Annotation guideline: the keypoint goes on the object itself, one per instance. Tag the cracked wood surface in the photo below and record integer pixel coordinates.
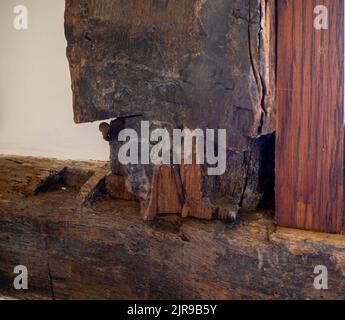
(186, 63)
(200, 63)
(107, 252)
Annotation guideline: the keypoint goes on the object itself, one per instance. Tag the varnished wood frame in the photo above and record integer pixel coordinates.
(310, 99)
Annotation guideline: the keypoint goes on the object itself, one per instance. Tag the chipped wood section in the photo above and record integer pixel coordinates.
(108, 252)
(163, 197)
(94, 187)
(187, 63)
(117, 188)
(28, 176)
(27, 181)
(172, 189)
(196, 205)
(310, 144)
(267, 62)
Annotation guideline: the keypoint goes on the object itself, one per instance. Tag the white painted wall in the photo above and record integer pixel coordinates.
(36, 115)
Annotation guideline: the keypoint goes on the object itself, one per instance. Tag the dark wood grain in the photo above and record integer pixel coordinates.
(107, 252)
(310, 146)
(181, 63)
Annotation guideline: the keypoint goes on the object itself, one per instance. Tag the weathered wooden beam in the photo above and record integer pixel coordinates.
(108, 252)
(310, 144)
(188, 63)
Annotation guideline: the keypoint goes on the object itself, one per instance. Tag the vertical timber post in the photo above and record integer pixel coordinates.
(310, 126)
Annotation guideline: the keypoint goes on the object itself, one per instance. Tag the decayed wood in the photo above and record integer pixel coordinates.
(188, 63)
(310, 144)
(93, 187)
(173, 189)
(192, 59)
(108, 252)
(163, 196)
(33, 176)
(116, 187)
(196, 205)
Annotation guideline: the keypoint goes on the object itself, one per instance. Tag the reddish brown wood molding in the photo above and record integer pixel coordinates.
(310, 93)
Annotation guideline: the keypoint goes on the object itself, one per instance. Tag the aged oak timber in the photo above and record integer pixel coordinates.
(181, 63)
(310, 91)
(107, 252)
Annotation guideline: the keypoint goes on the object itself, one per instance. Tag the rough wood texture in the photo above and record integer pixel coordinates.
(164, 197)
(107, 252)
(172, 189)
(204, 62)
(181, 63)
(89, 192)
(21, 177)
(116, 187)
(310, 144)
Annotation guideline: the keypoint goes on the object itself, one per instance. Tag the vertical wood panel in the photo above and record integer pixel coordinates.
(310, 93)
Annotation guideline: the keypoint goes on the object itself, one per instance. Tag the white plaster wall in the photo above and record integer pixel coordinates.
(36, 115)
